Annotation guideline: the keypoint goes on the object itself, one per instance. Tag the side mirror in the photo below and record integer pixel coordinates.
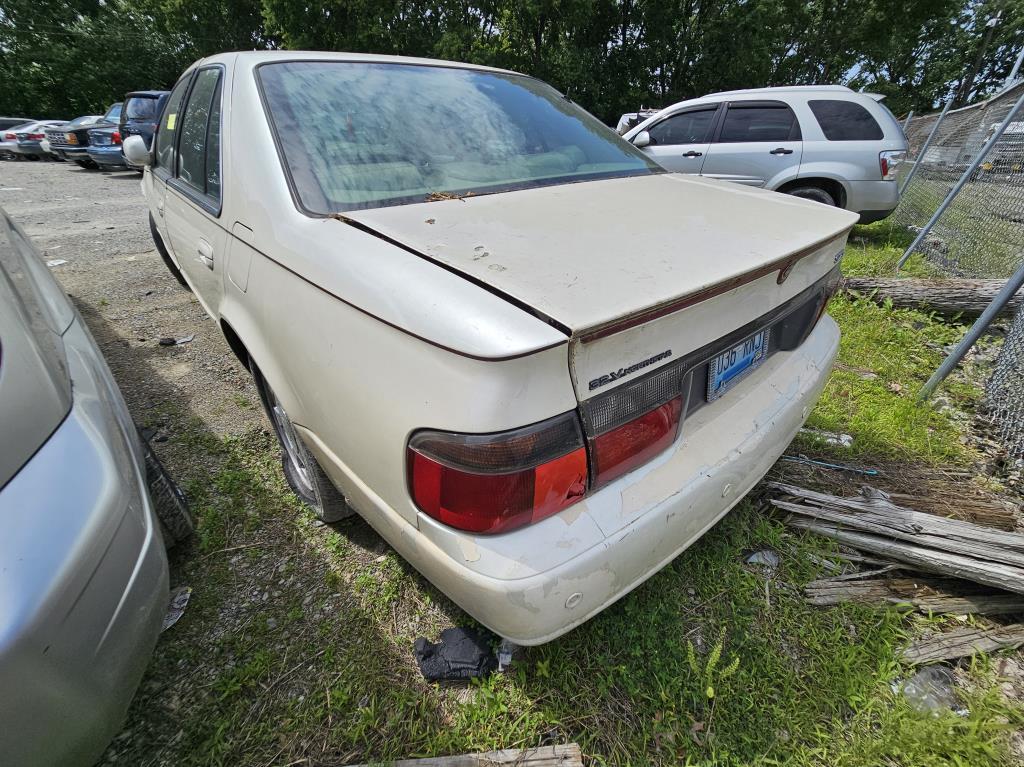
(136, 152)
(642, 139)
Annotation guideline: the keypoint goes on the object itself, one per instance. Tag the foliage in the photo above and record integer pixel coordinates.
(61, 58)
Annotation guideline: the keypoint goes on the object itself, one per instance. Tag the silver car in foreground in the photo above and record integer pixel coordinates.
(820, 142)
(83, 572)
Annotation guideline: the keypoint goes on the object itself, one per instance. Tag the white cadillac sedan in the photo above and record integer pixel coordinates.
(536, 363)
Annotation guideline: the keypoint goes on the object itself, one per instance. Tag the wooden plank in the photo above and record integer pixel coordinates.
(1000, 576)
(925, 596)
(905, 519)
(962, 642)
(880, 525)
(564, 755)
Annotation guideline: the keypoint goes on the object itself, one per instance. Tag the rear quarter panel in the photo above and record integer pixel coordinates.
(361, 386)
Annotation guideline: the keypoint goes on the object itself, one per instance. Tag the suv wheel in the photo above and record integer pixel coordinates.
(812, 193)
(307, 480)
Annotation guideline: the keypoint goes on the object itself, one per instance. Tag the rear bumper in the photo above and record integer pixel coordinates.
(536, 583)
(84, 582)
(873, 200)
(29, 149)
(107, 155)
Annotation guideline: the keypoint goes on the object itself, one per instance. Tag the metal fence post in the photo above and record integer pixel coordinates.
(1005, 294)
(907, 119)
(962, 182)
(924, 147)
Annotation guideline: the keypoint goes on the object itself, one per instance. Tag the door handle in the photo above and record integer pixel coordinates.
(781, 150)
(205, 251)
(160, 207)
(691, 153)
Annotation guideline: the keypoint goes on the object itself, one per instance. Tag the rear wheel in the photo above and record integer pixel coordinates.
(305, 477)
(168, 262)
(812, 193)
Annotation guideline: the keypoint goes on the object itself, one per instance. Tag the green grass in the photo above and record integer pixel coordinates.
(296, 647)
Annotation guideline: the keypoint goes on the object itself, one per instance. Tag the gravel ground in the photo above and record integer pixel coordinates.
(96, 222)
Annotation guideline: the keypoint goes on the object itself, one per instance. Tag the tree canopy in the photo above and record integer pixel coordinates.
(62, 58)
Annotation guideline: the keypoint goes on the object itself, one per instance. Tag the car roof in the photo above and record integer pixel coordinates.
(147, 94)
(255, 58)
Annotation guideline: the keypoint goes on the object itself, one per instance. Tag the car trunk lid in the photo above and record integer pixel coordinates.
(629, 268)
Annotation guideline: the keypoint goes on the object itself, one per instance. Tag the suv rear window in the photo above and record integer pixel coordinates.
(845, 121)
(140, 108)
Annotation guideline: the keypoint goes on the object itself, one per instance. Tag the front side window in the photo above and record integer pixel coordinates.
(845, 121)
(113, 114)
(195, 126)
(168, 129)
(356, 135)
(684, 128)
(760, 123)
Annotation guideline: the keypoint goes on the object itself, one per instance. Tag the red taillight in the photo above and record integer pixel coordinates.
(626, 447)
(883, 165)
(36, 136)
(492, 483)
(115, 138)
(8, 136)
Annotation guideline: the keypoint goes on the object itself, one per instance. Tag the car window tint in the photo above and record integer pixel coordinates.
(194, 124)
(845, 121)
(685, 128)
(140, 108)
(758, 123)
(169, 125)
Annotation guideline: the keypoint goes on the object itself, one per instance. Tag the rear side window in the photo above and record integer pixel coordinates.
(169, 126)
(845, 121)
(684, 128)
(140, 108)
(197, 164)
(759, 122)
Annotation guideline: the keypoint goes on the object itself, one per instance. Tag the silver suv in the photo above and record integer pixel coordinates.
(821, 142)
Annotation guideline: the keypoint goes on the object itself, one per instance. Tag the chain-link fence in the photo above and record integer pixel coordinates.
(1005, 390)
(981, 234)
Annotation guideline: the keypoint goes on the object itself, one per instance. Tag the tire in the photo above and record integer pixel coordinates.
(812, 193)
(305, 476)
(159, 242)
(169, 501)
(87, 164)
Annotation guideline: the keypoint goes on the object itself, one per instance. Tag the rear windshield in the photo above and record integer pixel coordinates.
(357, 135)
(113, 114)
(140, 108)
(845, 121)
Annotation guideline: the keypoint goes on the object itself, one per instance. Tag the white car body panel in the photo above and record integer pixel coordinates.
(555, 267)
(391, 320)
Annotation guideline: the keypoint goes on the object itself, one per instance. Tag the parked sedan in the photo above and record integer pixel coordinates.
(76, 138)
(104, 148)
(448, 339)
(84, 578)
(29, 139)
(9, 140)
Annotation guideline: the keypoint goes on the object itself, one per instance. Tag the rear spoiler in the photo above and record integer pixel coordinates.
(876, 96)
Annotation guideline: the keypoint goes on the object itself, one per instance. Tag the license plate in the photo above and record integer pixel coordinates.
(725, 370)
